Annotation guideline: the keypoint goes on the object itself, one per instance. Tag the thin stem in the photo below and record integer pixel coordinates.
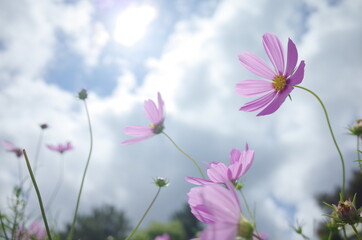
(184, 153)
(38, 195)
(15, 223)
(330, 235)
(144, 215)
(332, 134)
(37, 153)
(356, 232)
(3, 227)
(344, 233)
(246, 204)
(70, 236)
(358, 155)
(257, 236)
(58, 185)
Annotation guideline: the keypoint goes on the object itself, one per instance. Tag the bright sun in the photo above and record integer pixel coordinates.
(131, 24)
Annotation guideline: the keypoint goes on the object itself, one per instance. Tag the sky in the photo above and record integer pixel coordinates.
(186, 50)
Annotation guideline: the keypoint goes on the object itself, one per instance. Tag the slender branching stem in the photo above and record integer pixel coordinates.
(184, 153)
(359, 154)
(356, 232)
(144, 215)
(70, 236)
(332, 134)
(38, 195)
(58, 184)
(3, 227)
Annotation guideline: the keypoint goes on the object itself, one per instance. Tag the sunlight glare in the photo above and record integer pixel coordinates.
(131, 24)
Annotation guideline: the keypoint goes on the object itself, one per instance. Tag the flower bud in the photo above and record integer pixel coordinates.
(161, 182)
(346, 212)
(356, 128)
(83, 94)
(44, 126)
(245, 228)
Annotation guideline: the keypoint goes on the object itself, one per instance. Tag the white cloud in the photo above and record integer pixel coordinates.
(196, 73)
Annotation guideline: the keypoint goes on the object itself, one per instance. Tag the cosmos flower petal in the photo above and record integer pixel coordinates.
(217, 172)
(198, 181)
(247, 157)
(258, 103)
(222, 202)
(219, 231)
(151, 111)
(160, 107)
(278, 100)
(292, 58)
(256, 65)
(9, 146)
(235, 155)
(298, 75)
(138, 131)
(274, 49)
(253, 88)
(195, 201)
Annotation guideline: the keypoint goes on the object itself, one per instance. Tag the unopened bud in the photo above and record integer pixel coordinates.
(245, 228)
(356, 128)
(83, 94)
(161, 182)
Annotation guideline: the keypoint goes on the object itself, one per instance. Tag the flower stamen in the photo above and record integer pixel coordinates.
(279, 82)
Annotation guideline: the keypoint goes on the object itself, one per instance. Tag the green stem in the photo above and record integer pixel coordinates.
(70, 236)
(38, 151)
(256, 236)
(332, 134)
(330, 235)
(358, 155)
(356, 232)
(38, 195)
(3, 227)
(344, 233)
(184, 153)
(246, 205)
(58, 185)
(144, 215)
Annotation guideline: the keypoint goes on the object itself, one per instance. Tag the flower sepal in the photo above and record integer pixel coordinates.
(245, 229)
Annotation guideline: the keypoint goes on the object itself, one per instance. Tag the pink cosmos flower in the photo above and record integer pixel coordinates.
(240, 162)
(219, 208)
(281, 77)
(61, 148)
(36, 231)
(10, 147)
(156, 117)
(164, 236)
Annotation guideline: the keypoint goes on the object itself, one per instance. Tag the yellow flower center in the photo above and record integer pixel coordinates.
(152, 125)
(279, 82)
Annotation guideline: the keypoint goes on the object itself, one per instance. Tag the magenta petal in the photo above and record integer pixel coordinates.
(234, 155)
(256, 65)
(274, 49)
(252, 88)
(275, 104)
(152, 112)
(258, 103)
(196, 202)
(218, 172)
(220, 231)
(222, 203)
(247, 158)
(198, 181)
(160, 107)
(298, 75)
(292, 58)
(138, 131)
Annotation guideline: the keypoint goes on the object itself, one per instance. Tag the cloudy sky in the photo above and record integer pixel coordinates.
(124, 52)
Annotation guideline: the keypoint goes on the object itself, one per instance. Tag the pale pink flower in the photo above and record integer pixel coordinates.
(155, 115)
(281, 77)
(240, 162)
(220, 209)
(61, 148)
(36, 231)
(164, 236)
(10, 147)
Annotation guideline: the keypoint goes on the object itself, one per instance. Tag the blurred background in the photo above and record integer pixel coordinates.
(124, 52)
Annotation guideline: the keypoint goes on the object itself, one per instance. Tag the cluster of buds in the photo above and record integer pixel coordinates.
(345, 213)
(356, 128)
